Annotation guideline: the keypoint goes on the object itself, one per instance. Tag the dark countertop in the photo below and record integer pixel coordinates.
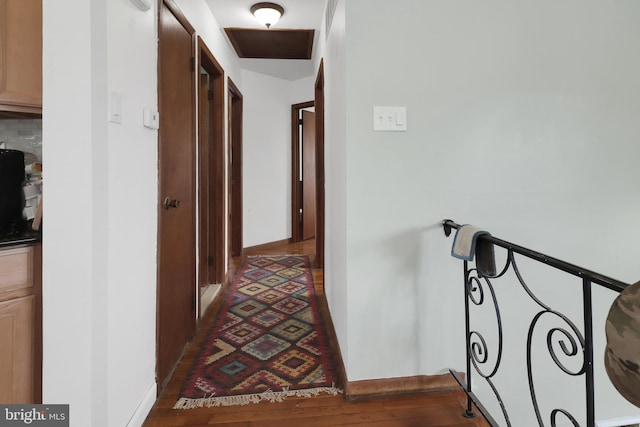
(21, 236)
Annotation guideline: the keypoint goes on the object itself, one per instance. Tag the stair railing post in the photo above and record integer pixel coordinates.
(467, 321)
(588, 351)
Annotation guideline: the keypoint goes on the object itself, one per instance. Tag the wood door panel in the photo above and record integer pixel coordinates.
(320, 198)
(235, 170)
(17, 269)
(21, 53)
(17, 350)
(204, 131)
(212, 205)
(176, 235)
(308, 175)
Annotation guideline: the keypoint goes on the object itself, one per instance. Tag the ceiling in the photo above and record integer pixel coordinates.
(298, 14)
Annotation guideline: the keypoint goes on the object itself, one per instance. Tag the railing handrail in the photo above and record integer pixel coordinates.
(572, 341)
(575, 270)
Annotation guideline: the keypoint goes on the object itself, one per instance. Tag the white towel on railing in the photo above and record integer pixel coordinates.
(464, 243)
(464, 247)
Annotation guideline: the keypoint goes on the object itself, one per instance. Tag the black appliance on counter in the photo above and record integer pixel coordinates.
(12, 177)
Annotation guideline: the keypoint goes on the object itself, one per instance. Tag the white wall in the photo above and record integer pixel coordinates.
(75, 223)
(132, 215)
(100, 236)
(333, 53)
(200, 17)
(99, 241)
(521, 120)
(267, 154)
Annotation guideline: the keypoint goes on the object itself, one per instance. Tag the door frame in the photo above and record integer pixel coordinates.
(320, 172)
(211, 177)
(296, 157)
(235, 170)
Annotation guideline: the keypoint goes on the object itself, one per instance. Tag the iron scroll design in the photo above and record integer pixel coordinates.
(477, 348)
(565, 340)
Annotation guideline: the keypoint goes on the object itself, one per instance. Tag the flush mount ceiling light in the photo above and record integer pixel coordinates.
(267, 13)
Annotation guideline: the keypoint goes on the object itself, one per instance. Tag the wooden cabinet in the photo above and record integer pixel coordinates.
(16, 353)
(21, 56)
(19, 329)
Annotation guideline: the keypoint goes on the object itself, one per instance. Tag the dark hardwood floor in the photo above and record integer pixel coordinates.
(416, 410)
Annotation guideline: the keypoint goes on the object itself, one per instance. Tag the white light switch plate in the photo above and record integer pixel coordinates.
(389, 119)
(151, 118)
(115, 107)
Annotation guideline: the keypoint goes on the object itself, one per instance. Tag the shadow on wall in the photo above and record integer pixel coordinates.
(418, 259)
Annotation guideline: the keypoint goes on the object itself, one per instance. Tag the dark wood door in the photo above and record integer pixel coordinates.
(319, 108)
(308, 175)
(204, 136)
(176, 219)
(212, 167)
(235, 169)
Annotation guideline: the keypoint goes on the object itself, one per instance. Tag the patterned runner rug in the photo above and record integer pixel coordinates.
(267, 343)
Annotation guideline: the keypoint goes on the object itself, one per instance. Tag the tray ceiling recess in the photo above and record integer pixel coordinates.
(272, 43)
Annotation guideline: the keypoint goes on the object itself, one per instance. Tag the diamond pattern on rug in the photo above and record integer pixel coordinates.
(253, 289)
(294, 364)
(273, 280)
(219, 350)
(290, 305)
(229, 320)
(306, 315)
(267, 343)
(228, 371)
(257, 274)
(290, 287)
(268, 318)
(241, 333)
(314, 377)
(292, 330)
(265, 347)
(292, 272)
(247, 308)
(271, 296)
(262, 381)
(310, 343)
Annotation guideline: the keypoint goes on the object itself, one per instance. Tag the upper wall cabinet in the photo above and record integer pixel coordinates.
(21, 56)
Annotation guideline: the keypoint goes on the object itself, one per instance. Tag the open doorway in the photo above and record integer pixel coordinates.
(211, 236)
(303, 182)
(307, 170)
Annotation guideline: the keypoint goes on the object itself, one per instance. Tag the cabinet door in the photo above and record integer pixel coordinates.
(16, 351)
(21, 55)
(16, 272)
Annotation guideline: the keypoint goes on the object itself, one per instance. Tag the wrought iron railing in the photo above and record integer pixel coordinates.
(568, 338)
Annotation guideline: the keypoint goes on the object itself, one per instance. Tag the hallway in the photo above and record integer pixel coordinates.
(422, 410)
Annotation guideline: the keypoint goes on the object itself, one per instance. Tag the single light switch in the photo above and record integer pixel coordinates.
(389, 119)
(151, 118)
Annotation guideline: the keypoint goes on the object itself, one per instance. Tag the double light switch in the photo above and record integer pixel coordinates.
(392, 119)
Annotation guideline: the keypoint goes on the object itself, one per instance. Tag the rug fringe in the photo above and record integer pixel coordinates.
(245, 399)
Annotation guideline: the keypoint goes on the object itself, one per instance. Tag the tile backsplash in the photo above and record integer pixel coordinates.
(24, 135)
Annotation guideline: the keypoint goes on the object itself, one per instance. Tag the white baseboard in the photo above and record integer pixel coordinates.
(618, 422)
(207, 295)
(144, 408)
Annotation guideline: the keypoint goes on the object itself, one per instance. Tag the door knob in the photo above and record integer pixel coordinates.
(170, 203)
